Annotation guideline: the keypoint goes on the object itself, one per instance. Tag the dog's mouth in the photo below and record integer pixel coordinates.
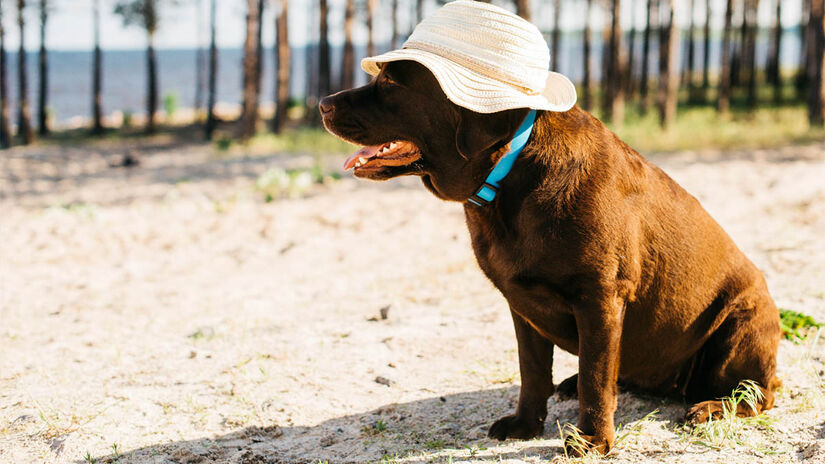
(389, 154)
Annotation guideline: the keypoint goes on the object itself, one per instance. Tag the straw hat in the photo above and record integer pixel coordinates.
(485, 58)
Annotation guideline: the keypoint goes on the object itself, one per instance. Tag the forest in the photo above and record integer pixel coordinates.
(653, 65)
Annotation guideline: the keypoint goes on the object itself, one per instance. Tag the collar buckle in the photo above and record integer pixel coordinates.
(484, 195)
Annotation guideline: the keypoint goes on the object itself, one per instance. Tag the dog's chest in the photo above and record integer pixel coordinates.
(506, 254)
(498, 259)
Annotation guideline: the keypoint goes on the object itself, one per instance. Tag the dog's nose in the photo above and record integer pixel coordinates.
(326, 106)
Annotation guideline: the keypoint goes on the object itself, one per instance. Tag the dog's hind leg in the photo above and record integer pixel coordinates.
(743, 348)
(568, 388)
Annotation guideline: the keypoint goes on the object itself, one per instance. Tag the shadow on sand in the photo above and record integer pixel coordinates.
(437, 429)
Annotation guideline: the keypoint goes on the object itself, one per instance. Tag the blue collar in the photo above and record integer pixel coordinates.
(487, 192)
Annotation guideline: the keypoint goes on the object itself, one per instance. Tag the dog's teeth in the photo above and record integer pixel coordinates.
(362, 160)
(392, 145)
(357, 164)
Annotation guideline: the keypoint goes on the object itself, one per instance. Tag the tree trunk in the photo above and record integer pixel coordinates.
(259, 49)
(43, 62)
(668, 72)
(774, 71)
(311, 115)
(753, 26)
(24, 127)
(554, 55)
(604, 66)
(723, 99)
(394, 20)
(152, 91)
(706, 53)
(523, 9)
(200, 59)
(801, 81)
(5, 120)
(348, 61)
(97, 74)
(631, 51)
(211, 121)
(816, 65)
(586, 86)
(688, 76)
(282, 60)
(370, 14)
(652, 14)
(249, 115)
(614, 103)
(323, 51)
(738, 57)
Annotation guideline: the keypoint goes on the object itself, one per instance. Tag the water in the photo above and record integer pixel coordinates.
(124, 75)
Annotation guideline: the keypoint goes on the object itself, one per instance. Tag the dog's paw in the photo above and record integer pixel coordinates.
(703, 412)
(582, 444)
(568, 389)
(515, 427)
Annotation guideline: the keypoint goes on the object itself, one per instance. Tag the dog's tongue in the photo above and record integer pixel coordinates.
(366, 152)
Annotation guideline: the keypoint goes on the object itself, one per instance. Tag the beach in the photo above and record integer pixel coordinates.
(167, 312)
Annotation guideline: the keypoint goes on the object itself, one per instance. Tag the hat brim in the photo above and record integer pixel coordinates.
(479, 93)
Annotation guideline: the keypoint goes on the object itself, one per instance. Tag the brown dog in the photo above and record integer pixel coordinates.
(596, 250)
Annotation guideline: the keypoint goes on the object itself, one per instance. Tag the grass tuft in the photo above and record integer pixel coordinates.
(277, 183)
(729, 429)
(796, 326)
(571, 438)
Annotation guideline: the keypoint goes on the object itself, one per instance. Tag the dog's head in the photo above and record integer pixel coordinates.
(409, 127)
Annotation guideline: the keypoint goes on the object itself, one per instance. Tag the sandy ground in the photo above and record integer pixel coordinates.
(166, 313)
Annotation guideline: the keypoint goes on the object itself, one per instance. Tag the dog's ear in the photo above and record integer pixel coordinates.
(478, 133)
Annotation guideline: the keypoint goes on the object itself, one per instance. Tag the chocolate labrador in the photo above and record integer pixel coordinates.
(596, 250)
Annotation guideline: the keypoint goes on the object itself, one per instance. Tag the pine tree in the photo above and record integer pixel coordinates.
(586, 85)
(5, 119)
(145, 14)
(211, 120)
(668, 68)
(249, 113)
(97, 74)
(348, 59)
(644, 80)
(723, 99)
(24, 127)
(282, 54)
(43, 76)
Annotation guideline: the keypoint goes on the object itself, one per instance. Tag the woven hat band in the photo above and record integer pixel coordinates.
(529, 87)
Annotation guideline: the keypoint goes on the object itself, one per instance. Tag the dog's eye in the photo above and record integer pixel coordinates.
(387, 80)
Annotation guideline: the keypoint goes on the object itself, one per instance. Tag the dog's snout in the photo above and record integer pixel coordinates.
(326, 106)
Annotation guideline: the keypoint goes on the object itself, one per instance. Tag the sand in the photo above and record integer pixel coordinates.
(167, 313)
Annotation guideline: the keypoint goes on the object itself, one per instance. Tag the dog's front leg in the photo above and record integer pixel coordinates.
(535, 355)
(600, 329)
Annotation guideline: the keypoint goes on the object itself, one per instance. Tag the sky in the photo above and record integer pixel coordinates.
(70, 23)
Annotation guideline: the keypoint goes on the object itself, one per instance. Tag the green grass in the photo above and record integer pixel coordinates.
(729, 429)
(305, 140)
(572, 439)
(376, 429)
(699, 128)
(795, 326)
